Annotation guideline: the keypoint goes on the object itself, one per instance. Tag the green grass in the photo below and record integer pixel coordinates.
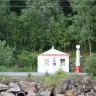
(51, 80)
(16, 69)
(47, 80)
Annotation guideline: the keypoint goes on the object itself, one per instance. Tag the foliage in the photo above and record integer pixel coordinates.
(60, 72)
(90, 64)
(53, 79)
(41, 20)
(47, 74)
(39, 24)
(6, 54)
(27, 61)
(83, 22)
(32, 21)
(29, 75)
(57, 28)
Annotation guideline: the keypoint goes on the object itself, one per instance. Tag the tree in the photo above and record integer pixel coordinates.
(6, 54)
(4, 11)
(83, 22)
(57, 32)
(27, 61)
(47, 8)
(90, 64)
(32, 28)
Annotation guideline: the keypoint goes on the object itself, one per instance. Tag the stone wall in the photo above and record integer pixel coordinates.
(84, 86)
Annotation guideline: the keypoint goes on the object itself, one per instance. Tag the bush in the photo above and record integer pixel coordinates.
(90, 64)
(60, 72)
(6, 54)
(27, 61)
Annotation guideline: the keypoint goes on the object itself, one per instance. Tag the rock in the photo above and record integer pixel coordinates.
(31, 93)
(74, 83)
(11, 84)
(82, 94)
(7, 94)
(13, 87)
(75, 91)
(84, 86)
(92, 93)
(61, 87)
(17, 89)
(65, 84)
(94, 87)
(87, 87)
(87, 79)
(59, 94)
(40, 86)
(45, 93)
(3, 87)
(69, 93)
(26, 86)
(38, 94)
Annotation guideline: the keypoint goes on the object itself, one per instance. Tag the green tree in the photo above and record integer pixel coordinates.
(32, 28)
(6, 54)
(90, 64)
(4, 11)
(83, 22)
(27, 61)
(57, 32)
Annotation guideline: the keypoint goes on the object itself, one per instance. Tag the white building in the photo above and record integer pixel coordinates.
(53, 60)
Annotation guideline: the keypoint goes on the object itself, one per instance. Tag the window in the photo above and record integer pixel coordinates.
(62, 62)
(54, 61)
(46, 62)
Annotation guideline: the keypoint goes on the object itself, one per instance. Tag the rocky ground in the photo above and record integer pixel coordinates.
(84, 86)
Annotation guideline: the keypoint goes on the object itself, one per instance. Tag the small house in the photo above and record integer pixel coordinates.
(53, 60)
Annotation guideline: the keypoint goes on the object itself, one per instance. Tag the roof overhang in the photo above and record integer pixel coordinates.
(54, 55)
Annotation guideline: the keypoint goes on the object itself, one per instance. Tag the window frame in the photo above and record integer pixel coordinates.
(54, 61)
(46, 61)
(62, 62)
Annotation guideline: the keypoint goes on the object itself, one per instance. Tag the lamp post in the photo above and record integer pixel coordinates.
(77, 67)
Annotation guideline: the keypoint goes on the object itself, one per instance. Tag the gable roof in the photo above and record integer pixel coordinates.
(53, 52)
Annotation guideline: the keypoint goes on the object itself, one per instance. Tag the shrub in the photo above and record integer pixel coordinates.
(60, 72)
(6, 54)
(47, 74)
(90, 64)
(27, 61)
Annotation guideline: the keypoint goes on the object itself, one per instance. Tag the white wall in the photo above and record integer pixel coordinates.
(51, 69)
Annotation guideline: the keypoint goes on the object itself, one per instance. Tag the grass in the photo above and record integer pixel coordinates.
(47, 80)
(51, 80)
(16, 69)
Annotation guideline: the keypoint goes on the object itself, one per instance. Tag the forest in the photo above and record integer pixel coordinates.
(29, 27)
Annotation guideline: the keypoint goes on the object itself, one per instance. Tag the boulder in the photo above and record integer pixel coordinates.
(69, 93)
(60, 95)
(61, 87)
(45, 93)
(16, 89)
(13, 85)
(7, 94)
(26, 86)
(3, 87)
(40, 86)
(94, 87)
